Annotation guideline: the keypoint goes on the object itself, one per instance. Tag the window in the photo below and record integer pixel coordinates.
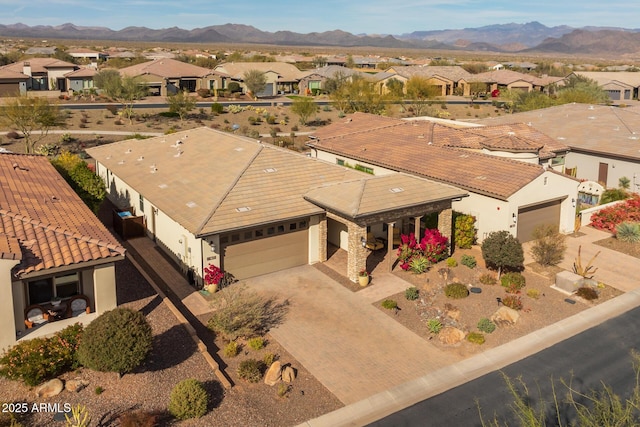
(281, 229)
(340, 162)
(271, 230)
(248, 235)
(141, 204)
(557, 161)
(259, 233)
(67, 286)
(364, 169)
(224, 239)
(293, 226)
(42, 291)
(235, 237)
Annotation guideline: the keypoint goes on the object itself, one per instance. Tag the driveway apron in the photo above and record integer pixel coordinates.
(350, 346)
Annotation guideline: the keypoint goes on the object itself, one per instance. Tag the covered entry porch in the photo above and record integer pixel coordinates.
(362, 216)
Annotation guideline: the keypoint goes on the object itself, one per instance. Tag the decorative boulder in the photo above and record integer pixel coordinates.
(451, 336)
(75, 385)
(49, 389)
(274, 374)
(453, 314)
(505, 316)
(288, 374)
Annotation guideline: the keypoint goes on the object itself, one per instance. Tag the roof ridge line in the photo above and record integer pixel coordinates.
(363, 183)
(227, 191)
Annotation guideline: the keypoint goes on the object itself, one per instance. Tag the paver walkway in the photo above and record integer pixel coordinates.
(351, 347)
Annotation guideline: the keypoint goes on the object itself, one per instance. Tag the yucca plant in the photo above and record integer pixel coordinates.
(628, 232)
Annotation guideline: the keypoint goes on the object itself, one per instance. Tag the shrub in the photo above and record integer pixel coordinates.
(513, 280)
(13, 135)
(464, 230)
(234, 87)
(512, 301)
(549, 245)
(138, 419)
(411, 293)
(434, 326)
(419, 264)
(169, 114)
(269, 358)
(188, 399)
(83, 180)
(533, 293)
(113, 109)
(488, 279)
(587, 292)
(389, 304)
(116, 341)
(433, 246)
(476, 338)
(40, 359)
(256, 343)
(608, 218)
(217, 108)
(98, 390)
(232, 349)
(456, 291)
(613, 195)
(283, 389)
(469, 261)
(486, 325)
(451, 262)
(501, 250)
(203, 93)
(628, 232)
(250, 370)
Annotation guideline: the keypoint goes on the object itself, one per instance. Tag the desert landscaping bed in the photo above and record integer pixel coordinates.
(549, 307)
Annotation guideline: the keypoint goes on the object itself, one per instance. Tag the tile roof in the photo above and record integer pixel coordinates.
(220, 181)
(330, 71)
(506, 77)
(592, 128)
(425, 149)
(165, 67)
(604, 77)
(286, 71)
(451, 72)
(38, 65)
(82, 72)
(49, 221)
(12, 75)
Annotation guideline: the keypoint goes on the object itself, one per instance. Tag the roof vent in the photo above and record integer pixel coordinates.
(191, 204)
(561, 138)
(177, 144)
(141, 158)
(591, 107)
(591, 117)
(511, 133)
(270, 170)
(481, 177)
(163, 186)
(121, 162)
(421, 136)
(154, 169)
(464, 156)
(239, 149)
(128, 151)
(178, 154)
(243, 209)
(529, 124)
(396, 190)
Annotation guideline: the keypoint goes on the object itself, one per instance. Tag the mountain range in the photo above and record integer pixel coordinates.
(530, 37)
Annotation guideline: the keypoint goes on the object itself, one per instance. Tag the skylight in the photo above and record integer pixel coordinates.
(243, 209)
(396, 190)
(270, 170)
(163, 186)
(191, 204)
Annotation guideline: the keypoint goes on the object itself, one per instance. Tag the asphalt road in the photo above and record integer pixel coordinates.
(601, 354)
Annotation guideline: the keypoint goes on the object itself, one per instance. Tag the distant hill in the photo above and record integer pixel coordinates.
(529, 37)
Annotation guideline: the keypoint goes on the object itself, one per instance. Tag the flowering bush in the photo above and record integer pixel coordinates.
(432, 246)
(212, 275)
(608, 218)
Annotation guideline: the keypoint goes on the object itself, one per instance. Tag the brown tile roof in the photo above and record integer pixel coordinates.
(38, 65)
(409, 147)
(12, 75)
(82, 72)
(165, 67)
(506, 77)
(50, 222)
(9, 248)
(287, 72)
(523, 136)
(451, 72)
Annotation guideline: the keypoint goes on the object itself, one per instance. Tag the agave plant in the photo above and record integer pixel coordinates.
(628, 232)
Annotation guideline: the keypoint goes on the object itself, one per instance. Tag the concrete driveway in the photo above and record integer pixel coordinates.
(350, 346)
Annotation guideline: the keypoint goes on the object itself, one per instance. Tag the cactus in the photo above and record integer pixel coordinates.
(587, 271)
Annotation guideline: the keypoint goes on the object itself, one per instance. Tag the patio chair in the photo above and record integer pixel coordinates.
(78, 306)
(373, 243)
(35, 315)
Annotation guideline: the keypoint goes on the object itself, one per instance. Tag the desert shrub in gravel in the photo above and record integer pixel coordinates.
(451, 262)
(256, 343)
(231, 349)
(628, 232)
(587, 293)
(434, 326)
(475, 337)
(251, 370)
(512, 301)
(549, 245)
(117, 341)
(389, 304)
(269, 358)
(469, 261)
(488, 279)
(412, 293)
(456, 291)
(501, 250)
(513, 281)
(486, 325)
(189, 399)
(533, 293)
(138, 419)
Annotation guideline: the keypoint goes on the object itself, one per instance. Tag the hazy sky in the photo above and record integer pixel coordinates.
(355, 16)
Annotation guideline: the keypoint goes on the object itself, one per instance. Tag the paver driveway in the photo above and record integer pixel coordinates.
(351, 347)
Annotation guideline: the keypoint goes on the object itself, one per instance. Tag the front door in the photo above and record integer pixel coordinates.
(603, 172)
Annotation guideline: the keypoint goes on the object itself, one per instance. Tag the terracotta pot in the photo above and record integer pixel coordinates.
(363, 280)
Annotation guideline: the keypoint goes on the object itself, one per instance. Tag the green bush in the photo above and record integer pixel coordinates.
(389, 304)
(464, 230)
(513, 281)
(456, 291)
(628, 232)
(613, 195)
(486, 325)
(512, 301)
(189, 399)
(501, 250)
(83, 180)
(217, 108)
(234, 87)
(587, 292)
(251, 370)
(549, 245)
(419, 264)
(476, 338)
(533, 293)
(116, 341)
(256, 343)
(169, 114)
(434, 326)
(412, 293)
(451, 262)
(232, 349)
(488, 279)
(469, 261)
(269, 358)
(40, 359)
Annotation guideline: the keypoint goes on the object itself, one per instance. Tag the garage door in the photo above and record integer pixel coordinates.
(9, 89)
(268, 91)
(267, 254)
(532, 216)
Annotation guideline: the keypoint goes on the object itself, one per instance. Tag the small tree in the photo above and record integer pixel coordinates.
(501, 250)
(420, 94)
(181, 103)
(117, 341)
(549, 245)
(304, 108)
(125, 90)
(29, 115)
(256, 82)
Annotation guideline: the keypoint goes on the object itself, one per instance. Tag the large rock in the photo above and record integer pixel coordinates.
(505, 316)
(274, 374)
(568, 281)
(453, 314)
(450, 335)
(288, 374)
(75, 385)
(49, 389)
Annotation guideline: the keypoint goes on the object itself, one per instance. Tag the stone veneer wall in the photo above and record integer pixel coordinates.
(322, 236)
(445, 225)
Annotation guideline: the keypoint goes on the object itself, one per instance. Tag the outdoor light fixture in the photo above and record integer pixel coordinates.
(364, 242)
(573, 202)
(513, 216)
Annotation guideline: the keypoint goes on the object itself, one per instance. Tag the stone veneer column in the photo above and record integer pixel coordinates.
(357, 258)
(390, 227)
(416, 227)
(322, 236)
(445, 226)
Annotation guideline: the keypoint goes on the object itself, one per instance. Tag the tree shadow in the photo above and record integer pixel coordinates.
(181, 346)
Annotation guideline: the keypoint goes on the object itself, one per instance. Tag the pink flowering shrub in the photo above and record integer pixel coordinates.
(608, 218)
(212, 275)
(432, 246)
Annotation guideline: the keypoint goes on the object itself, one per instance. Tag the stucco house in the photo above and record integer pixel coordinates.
(316, 79)
(81, 79)
(508, 187)
(51, 246)
(451, 79)
(210, 197)
(43, 73)
(282, 78)
(620, 85)
(603, 141)
(12, 83)
(512, 80)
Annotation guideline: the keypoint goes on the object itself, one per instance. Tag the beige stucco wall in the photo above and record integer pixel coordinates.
(332, 158)
(104, 288)
(491, 214)
(523, 157)
(9, 318)
(588, 165)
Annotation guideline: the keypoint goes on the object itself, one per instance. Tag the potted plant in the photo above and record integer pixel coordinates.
(363, 277)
